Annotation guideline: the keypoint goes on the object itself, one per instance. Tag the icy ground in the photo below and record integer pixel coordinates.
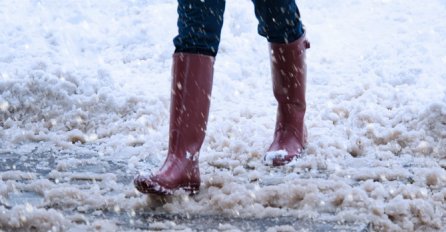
(85, 87)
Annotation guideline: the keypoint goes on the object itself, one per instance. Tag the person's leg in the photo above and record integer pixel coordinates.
(199, 27)
(279, 22)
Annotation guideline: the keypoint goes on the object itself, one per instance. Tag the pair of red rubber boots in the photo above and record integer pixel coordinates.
(189, 110)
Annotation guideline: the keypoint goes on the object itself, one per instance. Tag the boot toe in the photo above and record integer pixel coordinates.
(150, 185)
(147, 185)
(280, 161)
(141, 183)
(281, 157)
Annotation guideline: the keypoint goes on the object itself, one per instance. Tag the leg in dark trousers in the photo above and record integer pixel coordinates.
(199, 28)
(279, 22)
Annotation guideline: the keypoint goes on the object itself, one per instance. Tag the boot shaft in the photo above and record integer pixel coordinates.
(192, 76)
(289, 73)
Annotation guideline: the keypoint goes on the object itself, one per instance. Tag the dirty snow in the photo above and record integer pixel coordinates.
(93, 77)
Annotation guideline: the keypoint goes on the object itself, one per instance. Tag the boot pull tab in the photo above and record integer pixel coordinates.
(307, 44)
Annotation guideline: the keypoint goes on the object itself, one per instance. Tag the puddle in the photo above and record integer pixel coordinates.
(22, 198)
(203, 223)
(81, 170)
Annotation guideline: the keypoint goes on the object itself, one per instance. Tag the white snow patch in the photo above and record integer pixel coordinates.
(271, 155)
(83, 76)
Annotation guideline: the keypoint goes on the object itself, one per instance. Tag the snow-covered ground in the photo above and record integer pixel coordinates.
(94, 77)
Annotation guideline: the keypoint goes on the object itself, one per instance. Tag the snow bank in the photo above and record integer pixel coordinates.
(93, 77)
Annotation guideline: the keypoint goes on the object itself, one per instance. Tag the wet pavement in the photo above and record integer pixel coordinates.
(43, 164)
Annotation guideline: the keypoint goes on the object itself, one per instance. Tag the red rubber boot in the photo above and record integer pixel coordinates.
(189, 110)
(289, 73)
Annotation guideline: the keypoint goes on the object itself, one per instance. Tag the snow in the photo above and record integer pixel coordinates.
(271, 155)
(94, 77)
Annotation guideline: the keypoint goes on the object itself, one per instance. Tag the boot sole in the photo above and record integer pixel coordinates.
(161, 191)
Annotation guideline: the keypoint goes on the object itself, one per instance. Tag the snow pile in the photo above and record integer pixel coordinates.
(58, 103)
(58, 84)
(29, 218)
(93, 77)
